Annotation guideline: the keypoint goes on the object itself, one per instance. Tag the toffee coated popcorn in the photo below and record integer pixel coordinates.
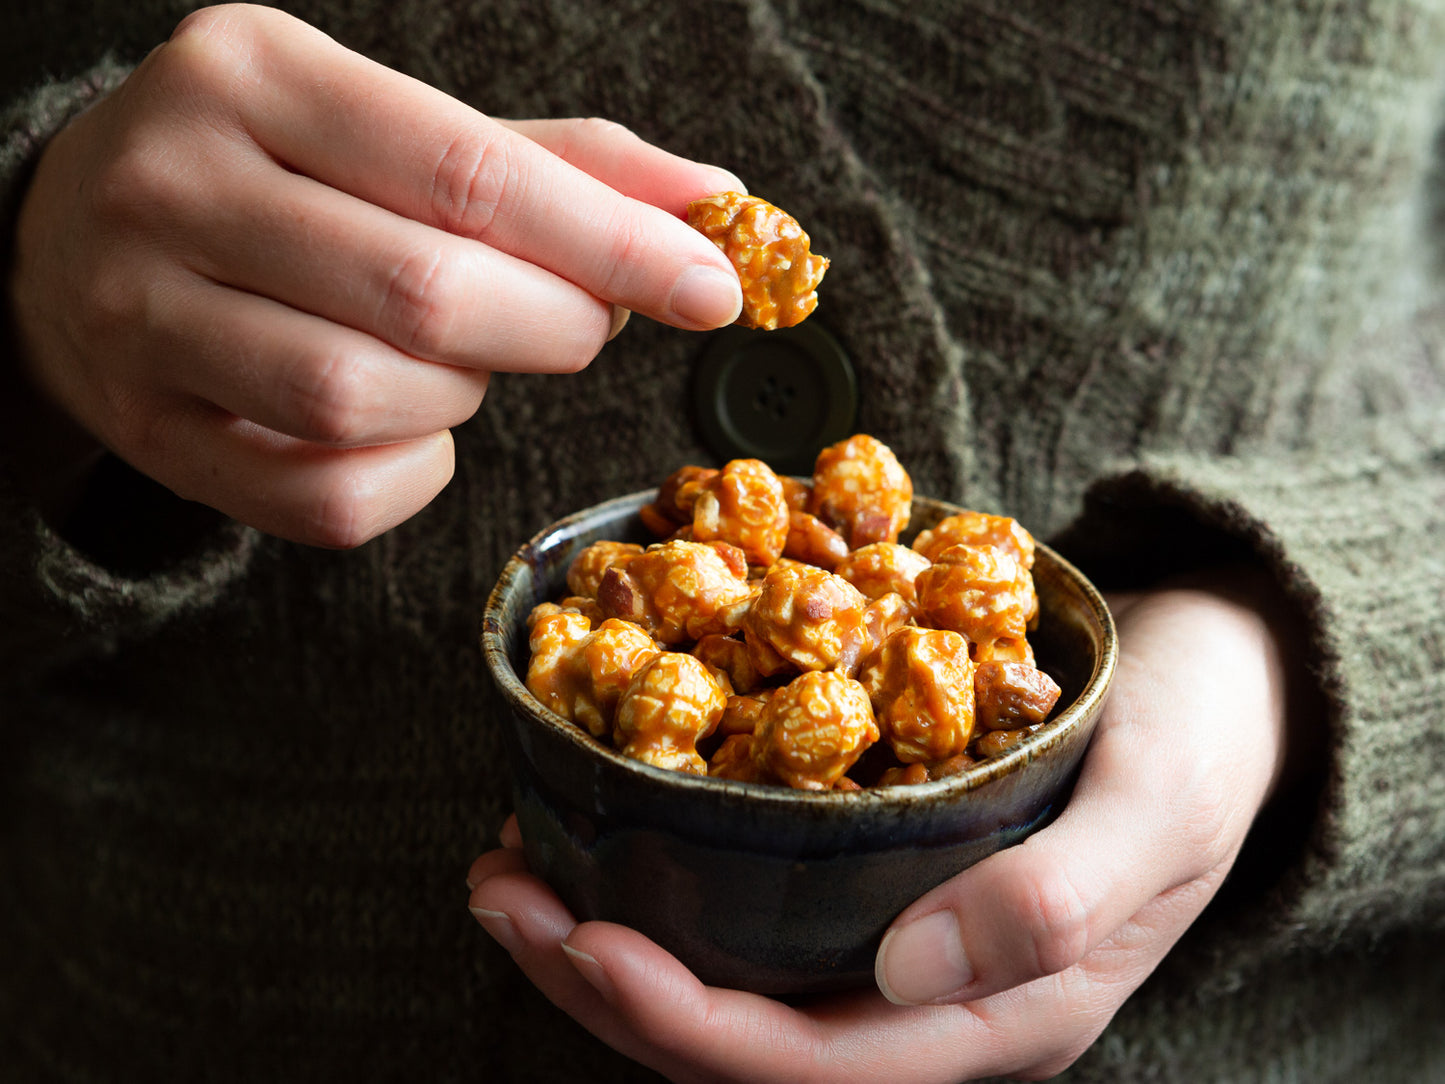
(779, 632)
(770, 253)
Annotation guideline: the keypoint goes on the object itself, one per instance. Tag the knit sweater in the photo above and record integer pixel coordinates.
(1158, 278)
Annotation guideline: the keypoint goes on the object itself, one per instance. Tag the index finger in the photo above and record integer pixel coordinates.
(393, 141)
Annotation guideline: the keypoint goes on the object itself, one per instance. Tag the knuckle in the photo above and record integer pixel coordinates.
(335, 398)
(471, 181)
(1056, 921)
(418, 304)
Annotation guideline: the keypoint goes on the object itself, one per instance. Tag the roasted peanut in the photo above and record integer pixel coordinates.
(770, 252)
(861, 491)
(920, 683)
(814, 729)
(813, 542)
(1012, 694)
(670, 704)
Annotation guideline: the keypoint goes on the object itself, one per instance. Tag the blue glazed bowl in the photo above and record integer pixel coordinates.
(765, 888)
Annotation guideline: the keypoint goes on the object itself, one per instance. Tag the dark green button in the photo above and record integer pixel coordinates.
(779, 396)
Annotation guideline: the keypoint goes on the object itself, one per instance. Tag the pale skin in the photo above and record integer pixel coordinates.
(272, 275)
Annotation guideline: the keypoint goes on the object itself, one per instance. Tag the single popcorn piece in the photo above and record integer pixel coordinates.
(805, 619)
(980, 591)
(977, 529)
(861, 491)
(813, 730)
(729, 656)
(882, 568)
(678, 591)
(671, 703)
(770, 251)
(584, 575)
(580, 673)
(743, 504)
(921, 684)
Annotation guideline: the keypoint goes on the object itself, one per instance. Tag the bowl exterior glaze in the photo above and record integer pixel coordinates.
(764, 888)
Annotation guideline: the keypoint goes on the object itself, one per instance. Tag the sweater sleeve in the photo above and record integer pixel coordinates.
(136, 555)
(1355, 543)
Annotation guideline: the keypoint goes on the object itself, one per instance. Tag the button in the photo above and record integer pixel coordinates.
(780, 396)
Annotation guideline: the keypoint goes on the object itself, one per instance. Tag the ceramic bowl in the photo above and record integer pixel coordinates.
(765, 888)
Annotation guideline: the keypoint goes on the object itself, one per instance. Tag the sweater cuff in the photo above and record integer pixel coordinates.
(1355, 545)
(137, 555)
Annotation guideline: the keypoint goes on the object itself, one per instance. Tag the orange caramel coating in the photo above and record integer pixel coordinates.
(921, 683)
(669, 705)
(769, 251)
(861, 491)
(883, 567)
(980, 591)
(743, 504)
(805, 619)
(584, 574)
(580, 672)
(977, 529)
(1012, 694)
(814, 729)
(678, 591)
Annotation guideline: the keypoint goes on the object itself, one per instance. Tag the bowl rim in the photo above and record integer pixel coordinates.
(1082, 711)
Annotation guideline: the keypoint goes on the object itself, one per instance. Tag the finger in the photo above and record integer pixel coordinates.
(1168, 788)
(494, 864)
(623, 161)
(302, 375)
(426, 292)
(525, 917)
(336, 498)
(511, 833)
(400, 144)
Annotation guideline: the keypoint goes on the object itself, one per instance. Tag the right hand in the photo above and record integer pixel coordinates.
(271, 274)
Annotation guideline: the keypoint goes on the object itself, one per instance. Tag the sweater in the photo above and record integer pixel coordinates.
(1158, 278)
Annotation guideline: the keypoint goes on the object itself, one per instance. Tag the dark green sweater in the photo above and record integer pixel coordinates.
(1158, 278)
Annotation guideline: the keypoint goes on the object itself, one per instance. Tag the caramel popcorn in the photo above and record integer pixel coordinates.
(779, 630)
(813, 730)
(770, 252)
(921, 684)
(669, 705)
(743, 504)
(677, 591)
(861, 491)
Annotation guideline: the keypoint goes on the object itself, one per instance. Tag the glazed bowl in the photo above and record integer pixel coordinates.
(760, 887)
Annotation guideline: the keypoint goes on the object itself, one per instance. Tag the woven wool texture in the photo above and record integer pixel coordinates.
(1098, 265)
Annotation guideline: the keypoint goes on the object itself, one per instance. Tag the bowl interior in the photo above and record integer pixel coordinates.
(1074, 644)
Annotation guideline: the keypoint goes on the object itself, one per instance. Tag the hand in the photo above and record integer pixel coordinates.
(1015, 965)
(271, 274)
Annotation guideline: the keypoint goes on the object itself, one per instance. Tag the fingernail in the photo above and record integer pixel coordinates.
(499, 925)
(588, 967)
(707, 297)
(923, 961)
(726, 180)
(619, 321)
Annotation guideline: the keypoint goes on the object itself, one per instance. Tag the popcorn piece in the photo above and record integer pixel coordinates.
(770, 252)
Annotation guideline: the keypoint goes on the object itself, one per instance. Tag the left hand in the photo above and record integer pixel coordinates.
(1017, 964)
